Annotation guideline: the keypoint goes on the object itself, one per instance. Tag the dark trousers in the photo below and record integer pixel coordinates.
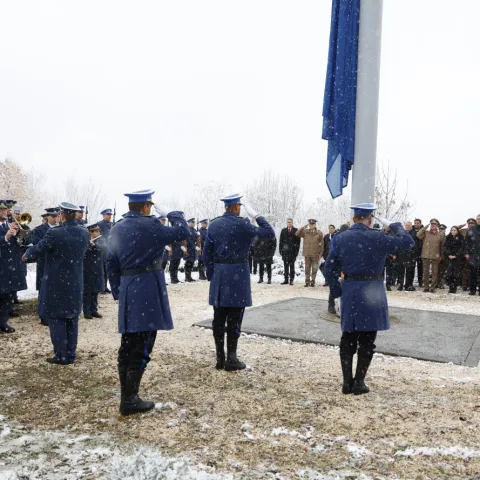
(105, 275)
(135, 350)
(331, 301)
(405, 273)
(64, 336)
(174, 264)
(5, 305)
(164, 264)
(90, 303)
(265, 266)
(467, 270)
(289, 270)
(201, 270)
(474, 278)
(252, 263)
(389, 272)
(232, 316)
(189, 268)
(363, 341)
(419, 264)
(454, 272)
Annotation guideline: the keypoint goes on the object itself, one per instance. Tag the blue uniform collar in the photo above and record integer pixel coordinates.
(71, 222)
(230, 214)
(133, 214)
(360, 226)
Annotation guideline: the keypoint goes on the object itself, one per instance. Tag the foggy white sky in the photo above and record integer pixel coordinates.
(163, 94)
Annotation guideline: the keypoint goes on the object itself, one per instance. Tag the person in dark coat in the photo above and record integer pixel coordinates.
(331, 299)
(226, 258)
(134, 266)
(326, 249)
(360, 253)
(389, 265)
(467, 268)
(178, 250)
(264, 251)
(192, 249)
(61, 293)
(12, 278)
(473, 255)
(202, 236)
(289, 248)
(105, 226)
(404, 265)
(93, 281)
(417, 250)
(455, 254)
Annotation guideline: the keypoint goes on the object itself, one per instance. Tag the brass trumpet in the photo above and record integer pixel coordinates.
(22, 233)
(25, 218)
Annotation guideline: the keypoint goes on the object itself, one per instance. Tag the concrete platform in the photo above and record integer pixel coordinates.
(433, 336)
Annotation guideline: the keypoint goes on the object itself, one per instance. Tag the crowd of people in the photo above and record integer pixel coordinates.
(75, 260)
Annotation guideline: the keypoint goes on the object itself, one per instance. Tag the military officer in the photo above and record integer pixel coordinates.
(134, 267)
(203, 235)
(93, 281)
(360, 253)
(79, 216)
(163, 220)
(12, 278)
(105, 226)
(61, 292)
(51, 215)
(226, 259)
(177, 251)
(192, 248)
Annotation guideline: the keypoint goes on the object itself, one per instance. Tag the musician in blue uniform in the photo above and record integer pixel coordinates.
(61, 293)
(51, 215)
(12, 278)
(226, 259)
(105, 226)
(191, 253)
(93, 281)
(137, 280)
(360, 253)
(203, 236)
(163, 220)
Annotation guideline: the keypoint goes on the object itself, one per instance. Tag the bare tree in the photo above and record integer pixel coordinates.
(390, 203)
(327, 211)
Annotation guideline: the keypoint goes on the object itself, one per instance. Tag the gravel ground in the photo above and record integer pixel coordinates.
(283, 417)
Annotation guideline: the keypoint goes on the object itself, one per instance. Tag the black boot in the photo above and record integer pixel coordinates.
(285, 282)
(132, 403)
(122, 375)
(269, 280)
(220, 348)
(233, 363)
(359, 386)
(400, 288)
(260, 280)
(389, 289)
(346, 360)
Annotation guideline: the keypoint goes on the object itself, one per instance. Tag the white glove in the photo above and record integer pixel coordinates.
(163, 210)
(197, 248)
(183, 248)
(384, 221)
(167, 248)
(250, 211)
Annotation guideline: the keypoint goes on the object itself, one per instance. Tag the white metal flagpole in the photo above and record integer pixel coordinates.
(366, 120)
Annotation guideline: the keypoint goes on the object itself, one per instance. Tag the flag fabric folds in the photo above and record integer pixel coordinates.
(339, 103)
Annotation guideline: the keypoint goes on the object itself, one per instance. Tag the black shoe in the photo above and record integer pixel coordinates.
(87, 317)
(13, 315)
(107, 290)
(420, 284)
(389, 288)
(472, 292)
(269, 281)
(220, 351)
(58, 361)
(131, 403)
(291, 282)
(346, 360)
(307, 284)
(312, 284)
(97, 315)
(454, 289)
(174, 281)
(411, 288)
(400, 288)
(233, 363)
(432, 290)
(260, 280)
(359, 387)
(285, 282)
(331, 309)
(7, 329)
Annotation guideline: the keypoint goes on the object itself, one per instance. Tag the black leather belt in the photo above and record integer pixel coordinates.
(139, 270)
(232, 261)
(363, 278)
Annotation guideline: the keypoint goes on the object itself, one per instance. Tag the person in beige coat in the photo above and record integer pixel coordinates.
(312, 250)
(432, 252)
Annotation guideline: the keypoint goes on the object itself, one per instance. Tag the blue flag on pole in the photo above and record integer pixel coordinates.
(339, 103)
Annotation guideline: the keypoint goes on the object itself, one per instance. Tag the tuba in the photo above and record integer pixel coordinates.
(25, 218)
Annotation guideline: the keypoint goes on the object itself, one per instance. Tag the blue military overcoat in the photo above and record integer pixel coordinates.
(93, 281)
(64, 249)
(135, 243)
(12, 276)
(105, 228)
(361, 252)
(37, 234)
(191, 244)
(228, 240)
